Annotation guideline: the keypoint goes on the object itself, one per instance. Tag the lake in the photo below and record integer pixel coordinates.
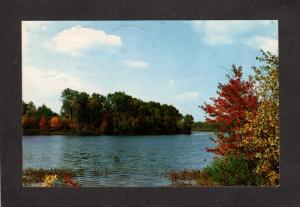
(129, 161)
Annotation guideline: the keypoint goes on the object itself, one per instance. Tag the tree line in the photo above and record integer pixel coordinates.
(204, 126)
(114, 114)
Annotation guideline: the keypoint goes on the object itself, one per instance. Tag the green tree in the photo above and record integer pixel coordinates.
(96, 108)
(25, 107)
(44, 111)
(29, 120)
(187, 123)
(81, 108)
(69, 105)
(31, 109)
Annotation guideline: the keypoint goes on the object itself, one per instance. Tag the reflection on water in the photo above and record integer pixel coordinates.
(119, 160)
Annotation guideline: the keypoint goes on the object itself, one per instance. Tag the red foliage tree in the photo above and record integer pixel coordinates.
(43, 123)
(228, 110)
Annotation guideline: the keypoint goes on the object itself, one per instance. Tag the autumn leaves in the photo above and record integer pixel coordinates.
(247, 112)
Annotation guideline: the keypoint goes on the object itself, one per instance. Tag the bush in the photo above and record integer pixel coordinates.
(230, 171)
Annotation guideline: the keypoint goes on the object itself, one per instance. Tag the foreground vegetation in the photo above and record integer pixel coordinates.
(247, 116)
(190, 178)
(49, 177)
(224, 171)
(114, 114)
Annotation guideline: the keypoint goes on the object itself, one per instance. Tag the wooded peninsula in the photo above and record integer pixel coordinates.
(114, 114)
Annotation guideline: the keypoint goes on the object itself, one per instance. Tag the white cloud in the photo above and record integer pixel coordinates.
(39, 84)
(75, 39)
(28, 28)
(224, 32)
(136, 64)
(188, 96)
(219, 32)
(263, 42)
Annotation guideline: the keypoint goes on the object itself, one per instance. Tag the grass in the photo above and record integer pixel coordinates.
(178, 178)
(37, 175)
(190, 178)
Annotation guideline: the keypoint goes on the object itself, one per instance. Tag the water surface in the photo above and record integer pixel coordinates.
(137, 161)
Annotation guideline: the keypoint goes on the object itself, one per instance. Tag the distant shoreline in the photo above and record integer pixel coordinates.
(203, 130)
(78, 133)
(70, 133)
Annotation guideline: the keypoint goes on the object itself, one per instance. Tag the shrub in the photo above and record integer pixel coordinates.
(230, 171)
(49, 181)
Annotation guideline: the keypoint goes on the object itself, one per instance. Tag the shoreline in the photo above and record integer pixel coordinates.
(69, 133)
(97, 134)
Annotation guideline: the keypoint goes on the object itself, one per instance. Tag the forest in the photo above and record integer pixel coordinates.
(95, 114)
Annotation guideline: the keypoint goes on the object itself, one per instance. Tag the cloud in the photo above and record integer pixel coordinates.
(30, 27)
(136, 64)
(77, 38)
(218, 32)
(224, 32)
(263, 42)
(188, 96)
(39, 84)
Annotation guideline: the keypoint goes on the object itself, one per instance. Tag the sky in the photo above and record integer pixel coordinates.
(172, 62)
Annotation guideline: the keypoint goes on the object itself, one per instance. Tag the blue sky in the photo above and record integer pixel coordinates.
(173, 62)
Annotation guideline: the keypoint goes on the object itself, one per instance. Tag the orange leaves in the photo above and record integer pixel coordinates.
(55, 122)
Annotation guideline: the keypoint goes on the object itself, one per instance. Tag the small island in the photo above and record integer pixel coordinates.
(114, 114)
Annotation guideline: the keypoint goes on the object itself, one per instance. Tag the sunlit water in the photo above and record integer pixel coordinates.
(119, 160)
